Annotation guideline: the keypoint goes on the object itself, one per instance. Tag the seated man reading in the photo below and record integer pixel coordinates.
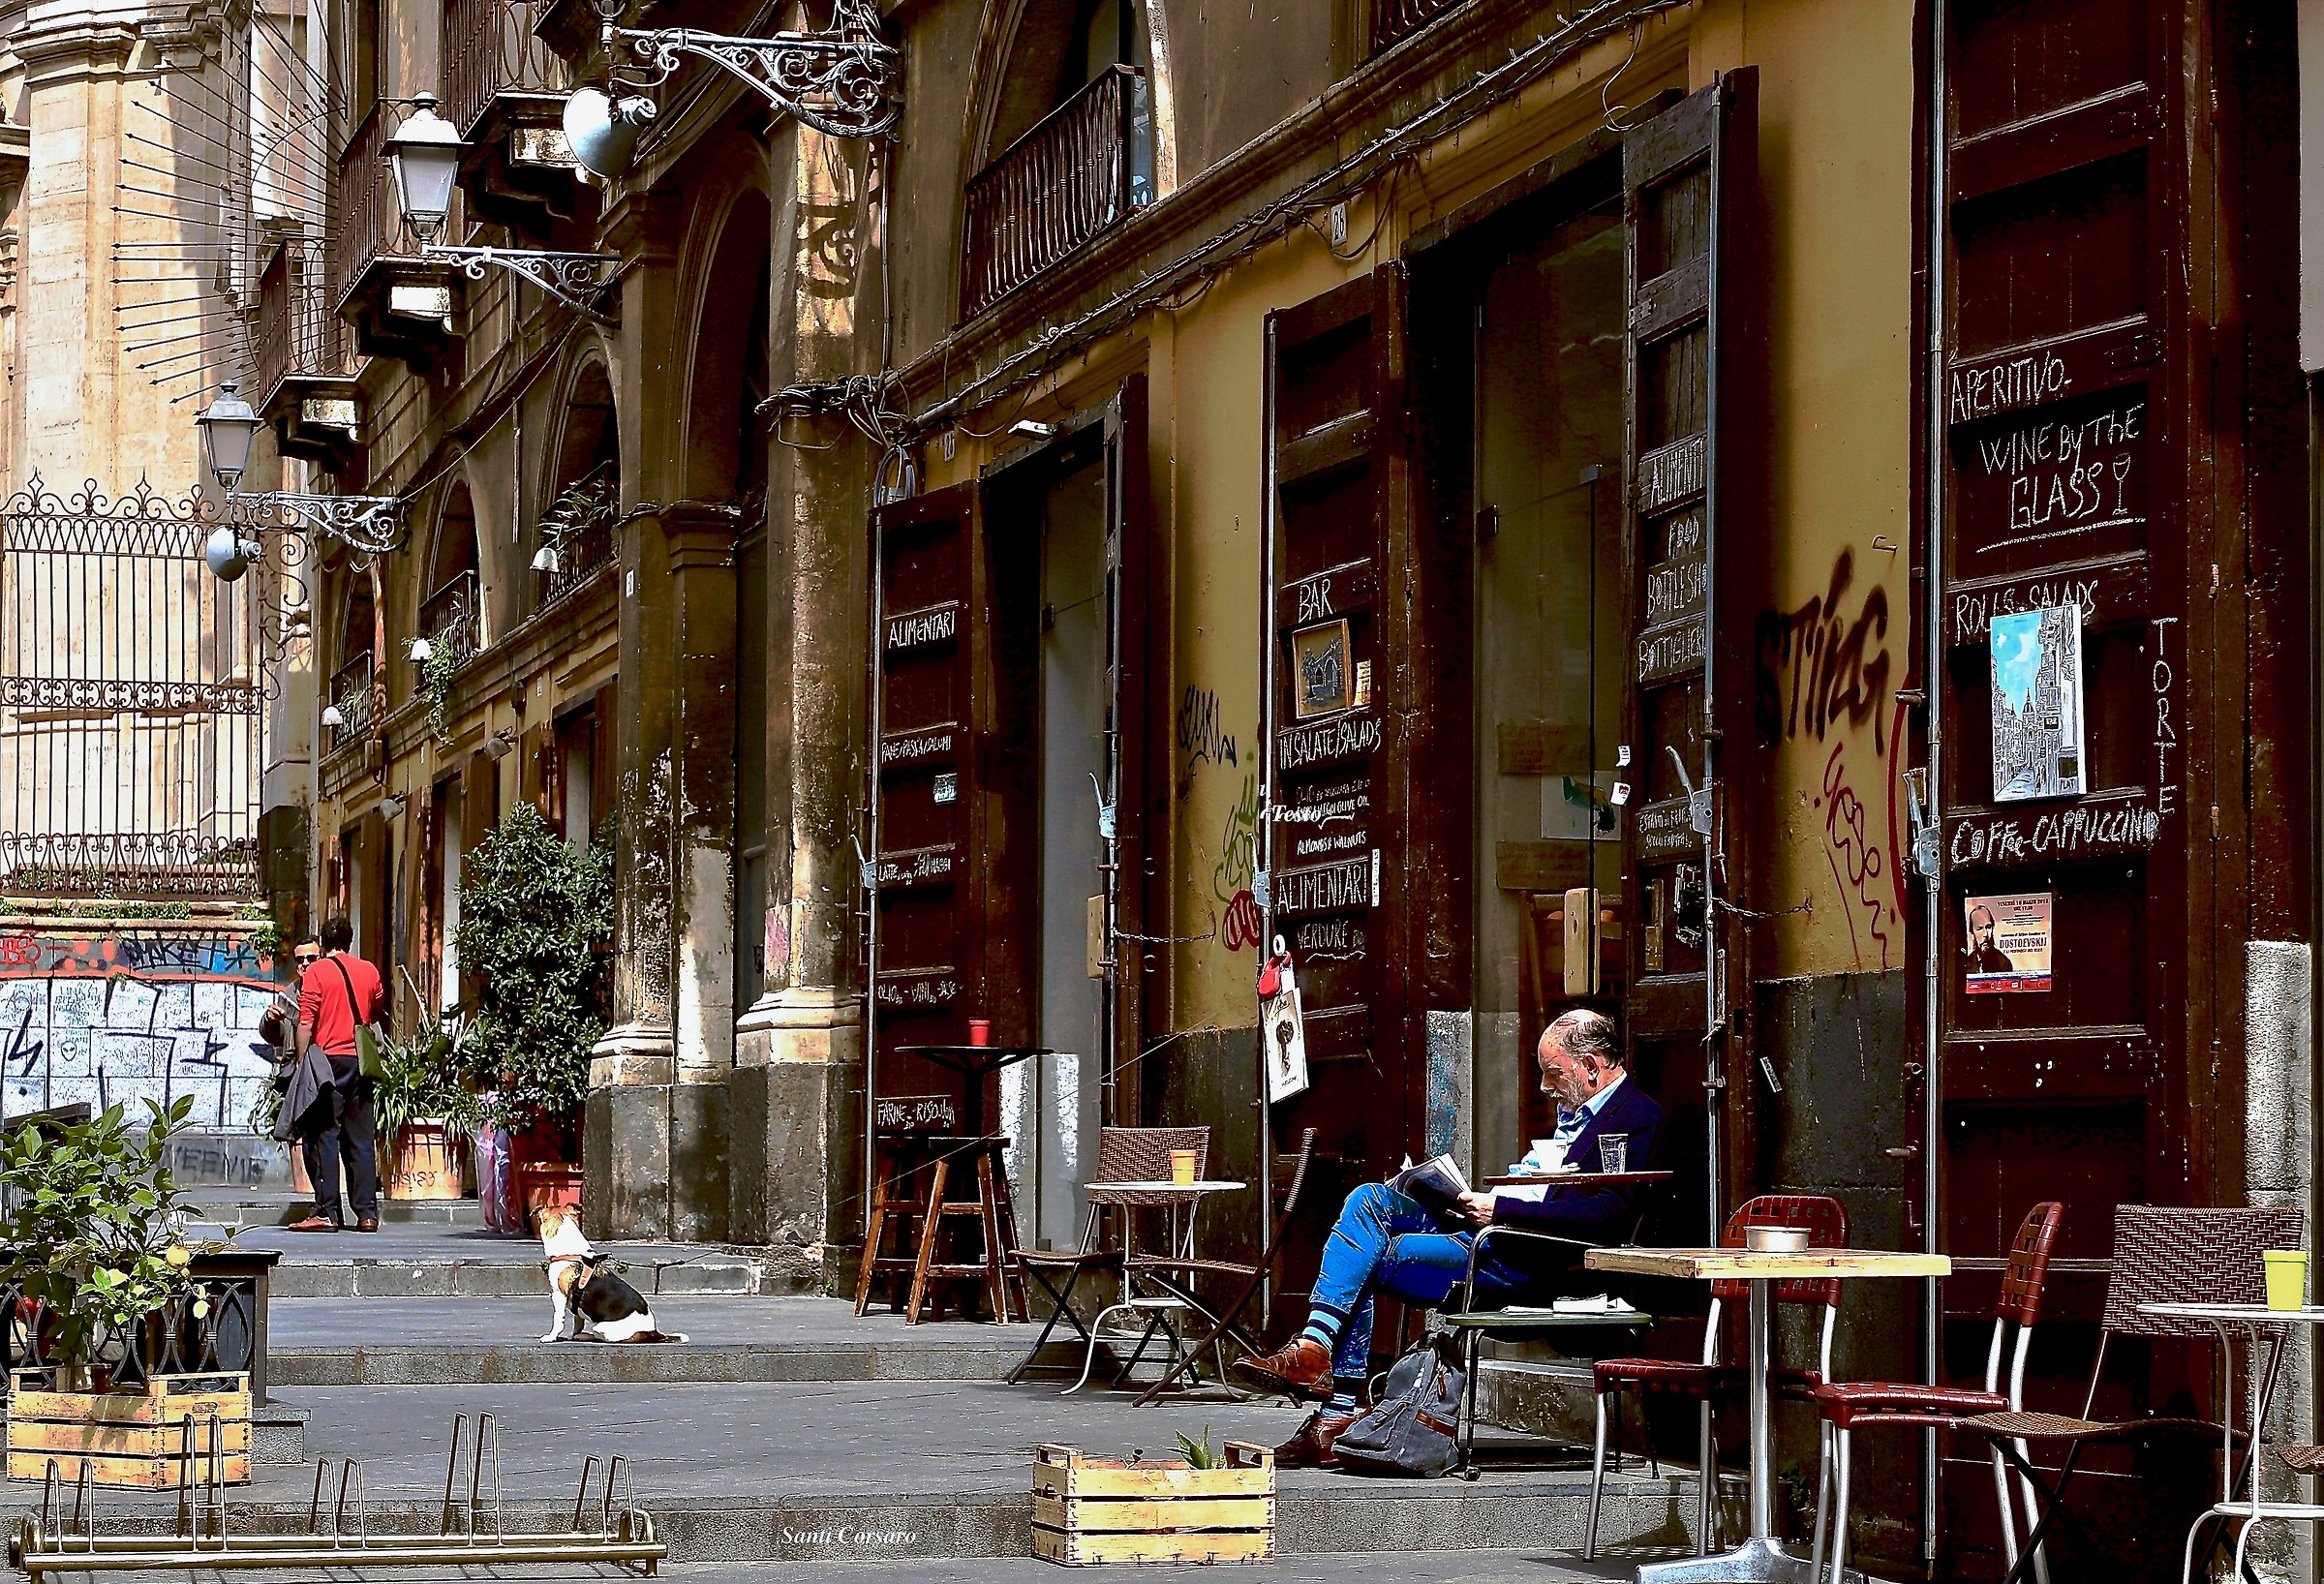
(1385, 1242)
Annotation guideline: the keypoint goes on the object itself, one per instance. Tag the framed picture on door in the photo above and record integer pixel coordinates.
(1325, 679)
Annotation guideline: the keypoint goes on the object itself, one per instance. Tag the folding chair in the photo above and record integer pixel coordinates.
(1123, 1155)
(1176, 1278)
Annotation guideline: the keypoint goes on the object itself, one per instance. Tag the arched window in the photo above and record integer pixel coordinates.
(450, 616)
(573, 540)
(354, 665)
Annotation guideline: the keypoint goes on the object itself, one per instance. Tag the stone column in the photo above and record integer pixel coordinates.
(796, 1094)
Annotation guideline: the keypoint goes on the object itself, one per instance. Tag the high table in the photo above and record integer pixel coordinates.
(2259, 1325)
(1762, 1556)
(972, 1062)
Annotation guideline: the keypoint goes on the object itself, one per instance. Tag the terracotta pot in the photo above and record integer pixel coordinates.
(548, 1182)
(423, 1165)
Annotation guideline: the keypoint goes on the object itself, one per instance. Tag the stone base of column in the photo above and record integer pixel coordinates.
(795, 1124)
(654, 1163)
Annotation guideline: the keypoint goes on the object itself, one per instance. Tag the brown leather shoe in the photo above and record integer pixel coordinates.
(1310, 1446)
(316, 1223)
(1300, 1367)
(370, 1223)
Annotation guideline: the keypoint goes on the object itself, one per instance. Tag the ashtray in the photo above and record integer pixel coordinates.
(1774, 1240)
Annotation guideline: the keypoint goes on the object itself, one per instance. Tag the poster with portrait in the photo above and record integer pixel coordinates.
(2037, 704)
(1282, 1027)
(2005, 944)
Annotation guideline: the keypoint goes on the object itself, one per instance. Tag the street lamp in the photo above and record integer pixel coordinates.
(425, 152)
(226, 427)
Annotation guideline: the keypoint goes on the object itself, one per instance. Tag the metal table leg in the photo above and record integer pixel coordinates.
(1760, 1559)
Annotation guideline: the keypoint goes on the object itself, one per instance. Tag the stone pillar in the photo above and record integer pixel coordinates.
(2279, 1109)
(796, 1095)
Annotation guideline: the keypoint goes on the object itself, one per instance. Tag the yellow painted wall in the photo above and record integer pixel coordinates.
(1836, 161)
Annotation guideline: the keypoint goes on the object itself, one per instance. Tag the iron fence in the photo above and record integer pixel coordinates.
(369, 224)
(132, 688)
(296, 331)
(1084, 166)
(447, 618)
(351, 697)
(491, 50)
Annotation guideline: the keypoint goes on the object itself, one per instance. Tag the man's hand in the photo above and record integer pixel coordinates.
(1480, 1208)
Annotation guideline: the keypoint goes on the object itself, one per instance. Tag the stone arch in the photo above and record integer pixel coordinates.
(453, 552)
(726, 361)
(1017, 74)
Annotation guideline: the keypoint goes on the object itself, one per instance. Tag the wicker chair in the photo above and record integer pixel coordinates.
(1826, 1221)
(2161, 1255)
(1123, 1155)
(1847, 1407)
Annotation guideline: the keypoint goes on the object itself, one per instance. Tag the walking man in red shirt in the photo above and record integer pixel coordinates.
(337, 993)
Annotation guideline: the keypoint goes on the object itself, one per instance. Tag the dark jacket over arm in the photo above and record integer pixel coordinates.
(1597, 1215)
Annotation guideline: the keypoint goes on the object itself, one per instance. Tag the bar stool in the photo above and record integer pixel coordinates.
(916, 1217)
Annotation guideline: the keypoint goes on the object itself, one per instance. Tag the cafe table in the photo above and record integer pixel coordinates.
(1182, 1200)
(1762, 1556)
(2264, 1331)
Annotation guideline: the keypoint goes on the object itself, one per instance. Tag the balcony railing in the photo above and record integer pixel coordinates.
(578, 525)
(1087, 164)
(296, 331)
(1395, 21)
(350, 696)
(448, 620)
(369, 224)
(490, 50)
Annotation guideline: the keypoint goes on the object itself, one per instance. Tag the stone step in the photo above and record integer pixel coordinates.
(393, 1276)
(244, 1207)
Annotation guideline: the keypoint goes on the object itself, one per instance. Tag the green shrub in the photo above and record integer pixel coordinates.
(536, 917)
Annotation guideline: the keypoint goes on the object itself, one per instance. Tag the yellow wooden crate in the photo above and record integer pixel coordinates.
(1089, 1511)
(129, 1438)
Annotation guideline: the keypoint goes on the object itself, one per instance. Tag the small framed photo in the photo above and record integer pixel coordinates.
(1323, 678)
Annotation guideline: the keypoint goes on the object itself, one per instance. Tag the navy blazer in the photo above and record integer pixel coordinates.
(1597, 1215)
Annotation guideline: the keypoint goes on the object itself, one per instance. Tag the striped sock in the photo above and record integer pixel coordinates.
(1323, 1326)
(1341, 1405)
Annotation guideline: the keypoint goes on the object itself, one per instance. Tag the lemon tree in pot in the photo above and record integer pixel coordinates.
(90, 1253)
(536, 921)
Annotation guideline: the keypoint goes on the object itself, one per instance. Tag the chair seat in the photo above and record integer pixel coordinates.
(2302, 1460)
(1192, 1268)
(1678, 1375)
(1068, 1258)
(2026, 1426)
(1846, 1402)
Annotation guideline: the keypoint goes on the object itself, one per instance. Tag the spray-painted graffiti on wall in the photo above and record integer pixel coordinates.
(133, 1014)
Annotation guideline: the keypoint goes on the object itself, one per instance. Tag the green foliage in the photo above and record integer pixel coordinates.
(425, 1080)
(93, 1231)
(110, 907)
(436, 673)
(1201, 1455)
(536, 917)
(267, 942)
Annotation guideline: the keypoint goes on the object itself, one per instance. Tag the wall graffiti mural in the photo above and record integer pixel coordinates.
(133, 1014)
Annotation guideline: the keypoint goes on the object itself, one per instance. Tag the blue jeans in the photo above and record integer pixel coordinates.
(1383, 1242)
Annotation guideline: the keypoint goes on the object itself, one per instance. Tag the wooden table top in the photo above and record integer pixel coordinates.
(1734, 1263)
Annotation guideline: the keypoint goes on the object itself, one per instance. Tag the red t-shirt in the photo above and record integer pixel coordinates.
(322, 1000)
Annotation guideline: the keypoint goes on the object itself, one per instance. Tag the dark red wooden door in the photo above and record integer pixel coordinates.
(1694, 544)
(1337, 678)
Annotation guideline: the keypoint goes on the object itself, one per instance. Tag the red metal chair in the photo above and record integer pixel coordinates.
(1826, 1221)
(1849, 1406)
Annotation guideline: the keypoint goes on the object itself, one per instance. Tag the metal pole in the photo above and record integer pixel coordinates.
(1932, 682)
(1714, 1074)
(1265, 892)
(870, 875)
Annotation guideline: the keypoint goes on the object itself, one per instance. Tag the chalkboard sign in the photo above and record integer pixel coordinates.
(917, 1113)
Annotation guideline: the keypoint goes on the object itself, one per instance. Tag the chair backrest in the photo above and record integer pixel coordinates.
(1143, 1154)
(2028, 1267)
(1826, 1221)
(2167, 1255)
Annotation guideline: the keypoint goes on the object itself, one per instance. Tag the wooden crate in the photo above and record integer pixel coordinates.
(128, 1438)
(1091, 1509)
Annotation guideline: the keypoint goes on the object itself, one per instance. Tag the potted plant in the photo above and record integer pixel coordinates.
(423, 1110)
(535, 917)
(90, 1241)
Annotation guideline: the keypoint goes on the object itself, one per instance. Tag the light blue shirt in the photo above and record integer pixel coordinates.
(1572, 1122)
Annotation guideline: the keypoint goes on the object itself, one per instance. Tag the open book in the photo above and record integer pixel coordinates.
(1436, 1184)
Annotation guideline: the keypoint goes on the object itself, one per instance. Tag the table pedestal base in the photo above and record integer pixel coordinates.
(1756, 1562)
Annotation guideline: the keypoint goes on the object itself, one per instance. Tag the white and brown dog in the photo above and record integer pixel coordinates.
(586, 1297)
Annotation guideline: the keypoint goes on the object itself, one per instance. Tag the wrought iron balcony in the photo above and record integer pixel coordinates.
(1395, 21)
(351, 697)
(303, 365)
(1082, 167)
(578, 525)
(399, 304)
(447, 618)
(505, 91)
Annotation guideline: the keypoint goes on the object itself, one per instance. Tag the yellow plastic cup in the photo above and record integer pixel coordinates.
(2287, 1277)
(1181, 1167)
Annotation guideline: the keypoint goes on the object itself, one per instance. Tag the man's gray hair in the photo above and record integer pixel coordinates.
(1592, 1034)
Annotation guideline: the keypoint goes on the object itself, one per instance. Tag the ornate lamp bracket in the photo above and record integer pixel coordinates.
(577, 280)
(839, 82)
(369, 523)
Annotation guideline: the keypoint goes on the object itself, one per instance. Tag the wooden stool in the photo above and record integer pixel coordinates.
(918, 1221)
